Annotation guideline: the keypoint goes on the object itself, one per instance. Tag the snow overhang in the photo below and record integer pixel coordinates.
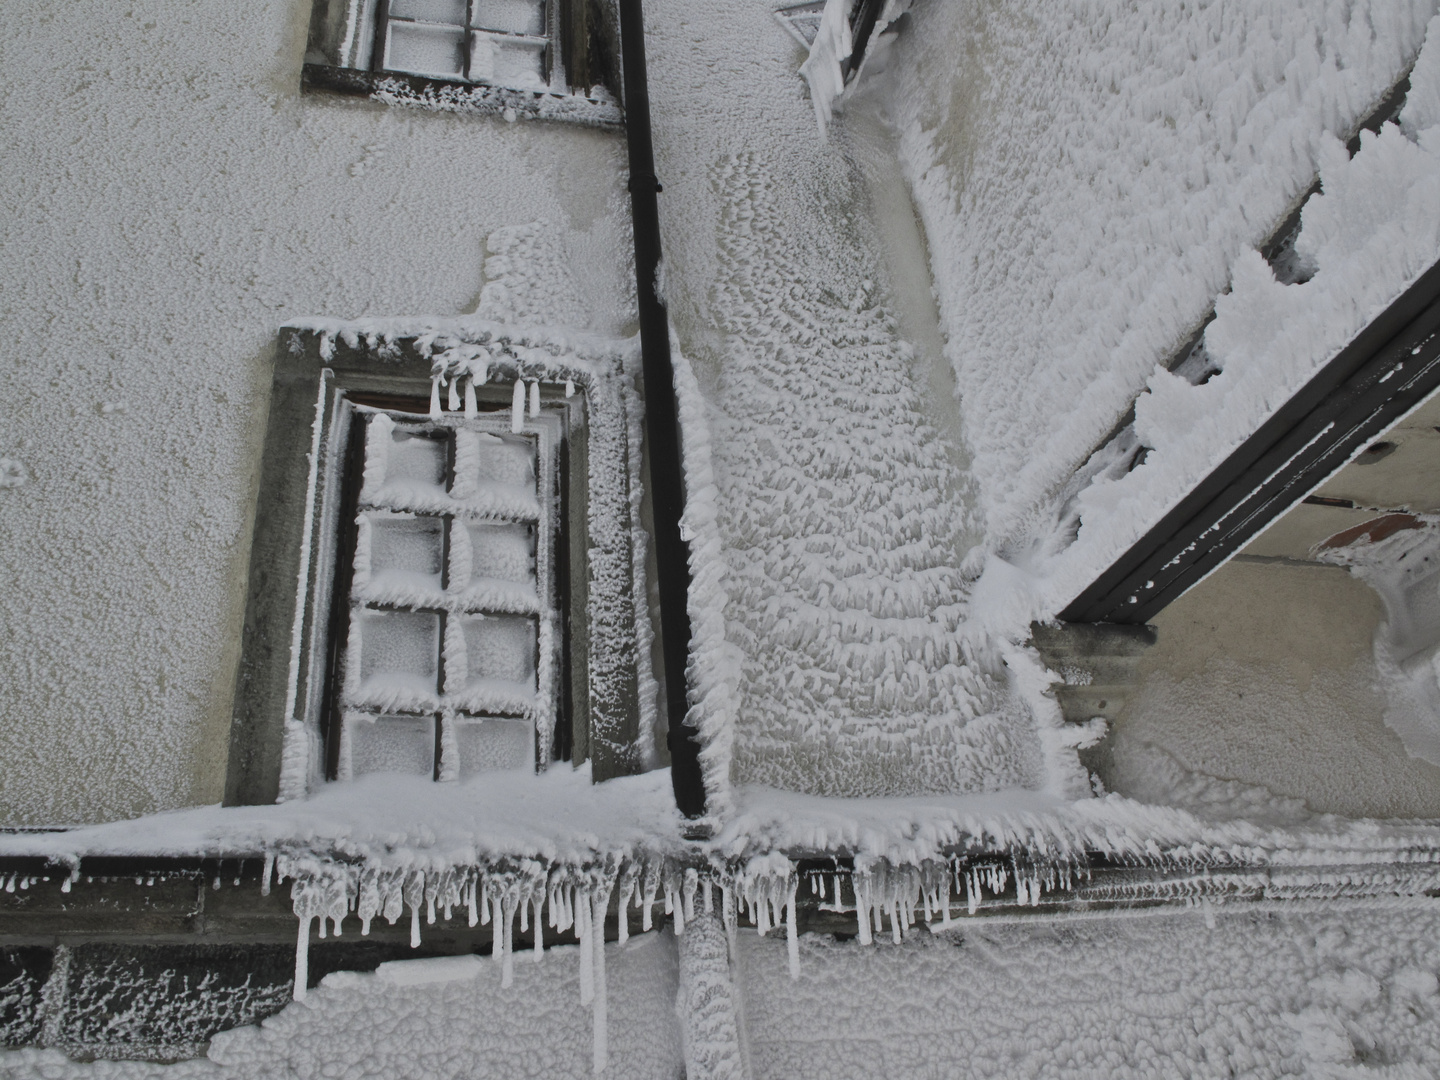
(1388, 369)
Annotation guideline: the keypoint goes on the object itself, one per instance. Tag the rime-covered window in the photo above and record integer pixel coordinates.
(449, 644)
(503, 42)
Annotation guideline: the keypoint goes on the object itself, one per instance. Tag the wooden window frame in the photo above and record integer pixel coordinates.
(283, 734)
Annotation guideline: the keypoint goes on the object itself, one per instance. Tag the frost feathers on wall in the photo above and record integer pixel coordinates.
(843, 535)
(1370, 233)
(1087, 174)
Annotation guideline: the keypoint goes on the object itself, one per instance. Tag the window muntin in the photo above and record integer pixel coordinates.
(451, 645)
(502, 42)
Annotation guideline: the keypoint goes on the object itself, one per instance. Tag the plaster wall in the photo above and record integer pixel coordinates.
(1264, 675)
(168, 200)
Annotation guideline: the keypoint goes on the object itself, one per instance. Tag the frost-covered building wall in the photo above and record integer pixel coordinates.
(171, 199)
(1088, 177)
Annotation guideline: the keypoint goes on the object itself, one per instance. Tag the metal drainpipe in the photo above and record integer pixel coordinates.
(662, 425)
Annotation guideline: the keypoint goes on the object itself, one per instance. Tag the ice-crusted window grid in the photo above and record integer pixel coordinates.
(504, 42)
(451, 646)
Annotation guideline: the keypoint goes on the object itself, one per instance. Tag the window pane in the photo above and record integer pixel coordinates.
(441, 11)
(491, 745)
(511, 16)
(404, 744)
(415, 459)
(399, 658)
(424, 50)
(405, 554)
(499, 459)
(507, 61)
(500, 647)
(503, 552)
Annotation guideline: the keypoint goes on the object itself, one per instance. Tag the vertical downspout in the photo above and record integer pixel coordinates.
(662, 424)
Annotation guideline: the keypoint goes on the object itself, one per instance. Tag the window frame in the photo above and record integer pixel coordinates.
(553, 707)
(283, 743)
(345, 54)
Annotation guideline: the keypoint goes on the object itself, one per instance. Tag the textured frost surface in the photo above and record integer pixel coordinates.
(1089, 172)
(437, 1019)
(835, 507)
(214, 205)
(1347, 991)
(1371, 232)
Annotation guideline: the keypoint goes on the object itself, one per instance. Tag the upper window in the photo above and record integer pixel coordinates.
(505, 42)
(548, 59)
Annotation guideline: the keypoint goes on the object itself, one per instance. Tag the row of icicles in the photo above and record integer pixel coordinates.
(460, 396)
(559, 899)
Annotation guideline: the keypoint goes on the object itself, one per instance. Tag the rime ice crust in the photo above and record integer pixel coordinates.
(833, 542)
(1085, 209)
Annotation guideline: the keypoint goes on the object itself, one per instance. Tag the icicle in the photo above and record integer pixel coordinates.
(945, 920)
(430, 908)
(484, 902)
(587, 952)
(652, 883)
(601, 1017)
(414, 896)
(507, 945)
(893, 910)
(471, 915)
(302, 959)
(705, 890)
(627, 890)
(535, 398)
(862, 908)
(792, 936)
(675, 908)
(539, 949)
(687, 892)
(517, 408)
(435, 398)
(569, 388)
(265, 877)
(470, 407)
(497, 929)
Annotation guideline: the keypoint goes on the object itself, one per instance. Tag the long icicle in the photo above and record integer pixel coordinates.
(507, 944)
(587, 952)
(600, 1017)
(302, 959)
(792, 936)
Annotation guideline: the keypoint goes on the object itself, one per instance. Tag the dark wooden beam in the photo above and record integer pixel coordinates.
(1389, 368)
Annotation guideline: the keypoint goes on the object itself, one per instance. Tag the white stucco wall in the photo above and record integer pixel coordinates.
(168, 199)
